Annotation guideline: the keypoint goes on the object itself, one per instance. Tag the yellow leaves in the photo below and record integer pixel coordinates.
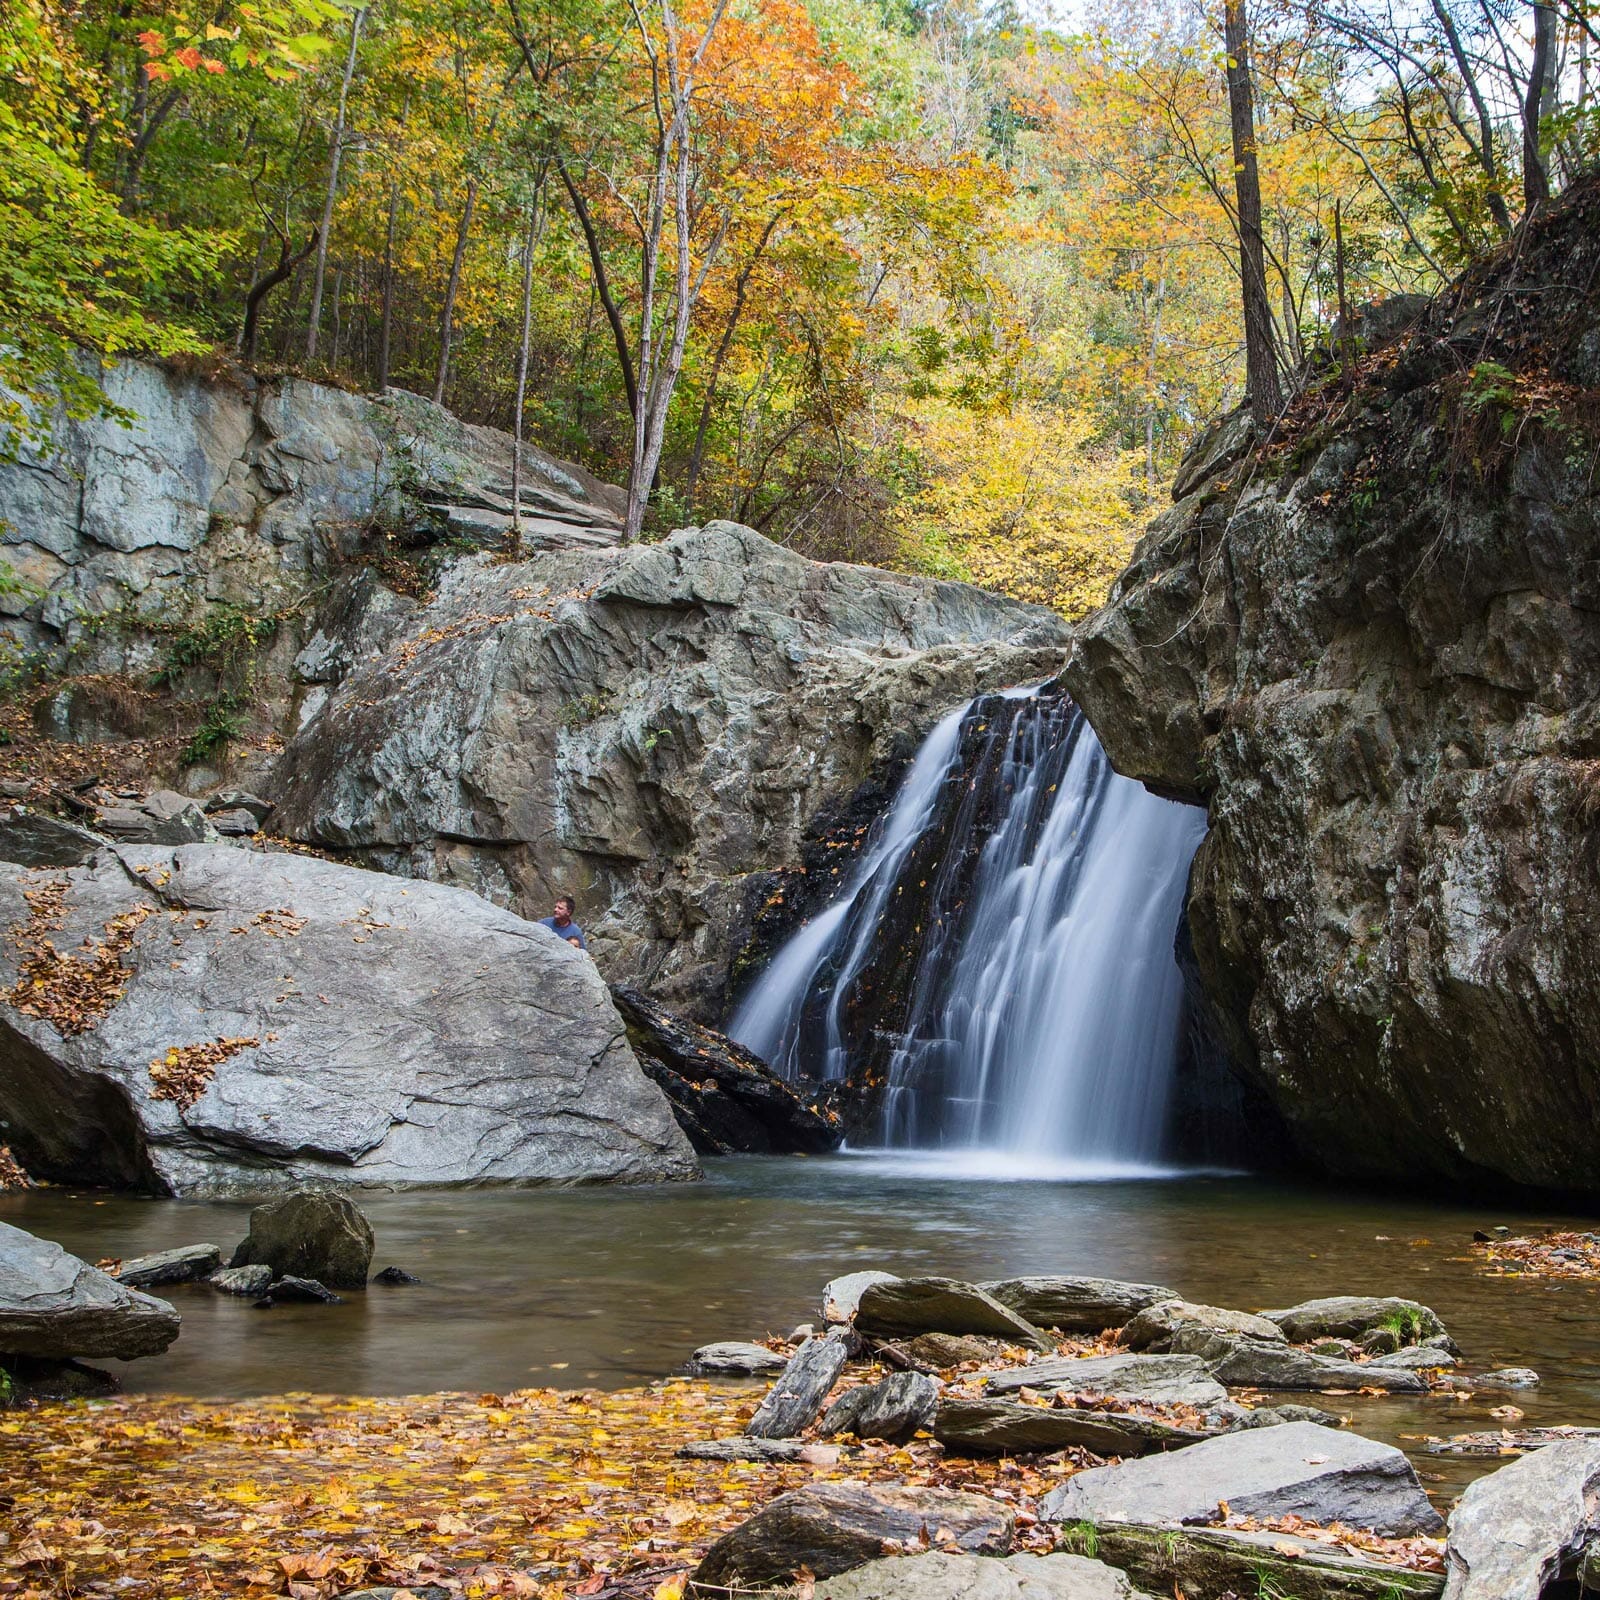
(670, 1588)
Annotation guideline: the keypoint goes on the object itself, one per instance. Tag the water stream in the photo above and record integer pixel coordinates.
(1040, 1029)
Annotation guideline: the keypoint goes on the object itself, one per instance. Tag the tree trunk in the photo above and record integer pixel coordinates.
(522, 381)
(335, 155)
(447, 320)
(287, 265)
(1535, 176)
(386, 318)
(1261, 362)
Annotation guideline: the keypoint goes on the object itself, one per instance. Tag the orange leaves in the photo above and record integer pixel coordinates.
(185, 1072)
(72, 991)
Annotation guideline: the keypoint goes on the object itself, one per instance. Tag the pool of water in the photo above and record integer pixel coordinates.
(614, 1286)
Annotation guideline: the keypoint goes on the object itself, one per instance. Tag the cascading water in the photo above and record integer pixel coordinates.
(1000, 962)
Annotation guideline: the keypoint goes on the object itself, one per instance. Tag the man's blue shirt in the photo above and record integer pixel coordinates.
(570, 933)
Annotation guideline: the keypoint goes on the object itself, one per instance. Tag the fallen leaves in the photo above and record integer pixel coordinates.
(1416, 1554)
(71, 991)
(1550, 1255)
(185, 1072)
(12, 1175)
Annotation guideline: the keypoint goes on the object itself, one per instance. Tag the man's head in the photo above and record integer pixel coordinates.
(566, 908)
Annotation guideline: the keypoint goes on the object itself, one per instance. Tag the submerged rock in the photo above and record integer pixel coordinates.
(938, 1575)
(829, 1528)
(303, 1291)
(941, 1305)
(1077, 1305)
(1515, 1530)
(1298, 1469)
(312, 1233)
(264, 1020)
(55, 1306)
(395, 1278)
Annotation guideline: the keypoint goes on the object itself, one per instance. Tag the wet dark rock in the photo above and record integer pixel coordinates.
(1077, 1305)
(1352, 1316)
(893, 1409)
(242, 1280)
(395, 1277)
(1208, 1562)
(938, 1575)
(909, 1306)
(1262, 1364)
(1178, 1380)
(725, 1098)
(733, 1358)
(1516, 1530)
(1007, 1427)
(1299, 1469)
(36, 839)
(33, 1380)
(1154, 1327)
(55, 1306)
(304, 1291)
(312, 1233)
(184, 1265)
(797, 1397)
(829, 1528)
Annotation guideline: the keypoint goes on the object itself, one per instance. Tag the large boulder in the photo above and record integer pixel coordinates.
(311, 1233)
(53, 1305)
(1300, 1469)
(210, 1018)
(1373, 651)
(940, 1305)
(829, 1528)
(1518, 1529)
(1077, 1305)
(939, 1575)
(655, 729)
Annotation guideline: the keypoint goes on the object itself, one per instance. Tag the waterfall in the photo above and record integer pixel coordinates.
(1000, 960)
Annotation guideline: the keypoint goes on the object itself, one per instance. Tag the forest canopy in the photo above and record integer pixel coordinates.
(929, 283)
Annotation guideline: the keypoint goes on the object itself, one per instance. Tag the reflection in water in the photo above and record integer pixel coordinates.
(612, 1286)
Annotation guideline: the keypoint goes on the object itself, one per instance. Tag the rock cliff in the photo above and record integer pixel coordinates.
(1372, 647)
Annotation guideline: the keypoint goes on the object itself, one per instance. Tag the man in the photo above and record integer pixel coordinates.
(563, 925)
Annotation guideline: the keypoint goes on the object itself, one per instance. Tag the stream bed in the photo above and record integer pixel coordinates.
(610, 1287)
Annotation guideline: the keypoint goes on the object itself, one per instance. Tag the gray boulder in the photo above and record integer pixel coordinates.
(939, 1575)
(1515, 1530)
(841, 1296)
(1265, 1364)
(312, 1233)
(1154, 1327)
(183, 1265)
(56, 1306)
(829, 1528)
(36, 839)
(1077, 1305)
(1175, 1380)
(1417, 1358)
(242, 1280)
(1506, 1378)
(1299, 1469)
(1007, 1427)
(733, 1358)
(277, 1019)
(941, 1305)
(893, 1409)
(1349, 1316)
(796, 1399)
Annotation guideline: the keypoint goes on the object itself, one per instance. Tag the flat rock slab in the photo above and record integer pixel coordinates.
(36, 839)
(1349, 1316)
(1204, 1563)
(1077, 1305)
(1299, 1469)
(841, 1296)
(938, 1575)
(1516, 1530)
(1007, 1427)
(1163, 1380)
(52, 1304)
(828, 1528)
(1507, 1441)
(313, 1233)
(1265, 1364)
(187, 1264)
(1154, 1327)
(893, 1409)
(743, 1448)
(733, 1358)
(321, 1024)
(909, 1306)
(796, 1399)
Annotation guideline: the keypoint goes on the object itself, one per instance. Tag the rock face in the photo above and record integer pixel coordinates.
(240, 1020)
(1298, 1469)
(55, 1306)
(654, 729)
(1375, 654)
(311, 1233)
(829, 1528)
